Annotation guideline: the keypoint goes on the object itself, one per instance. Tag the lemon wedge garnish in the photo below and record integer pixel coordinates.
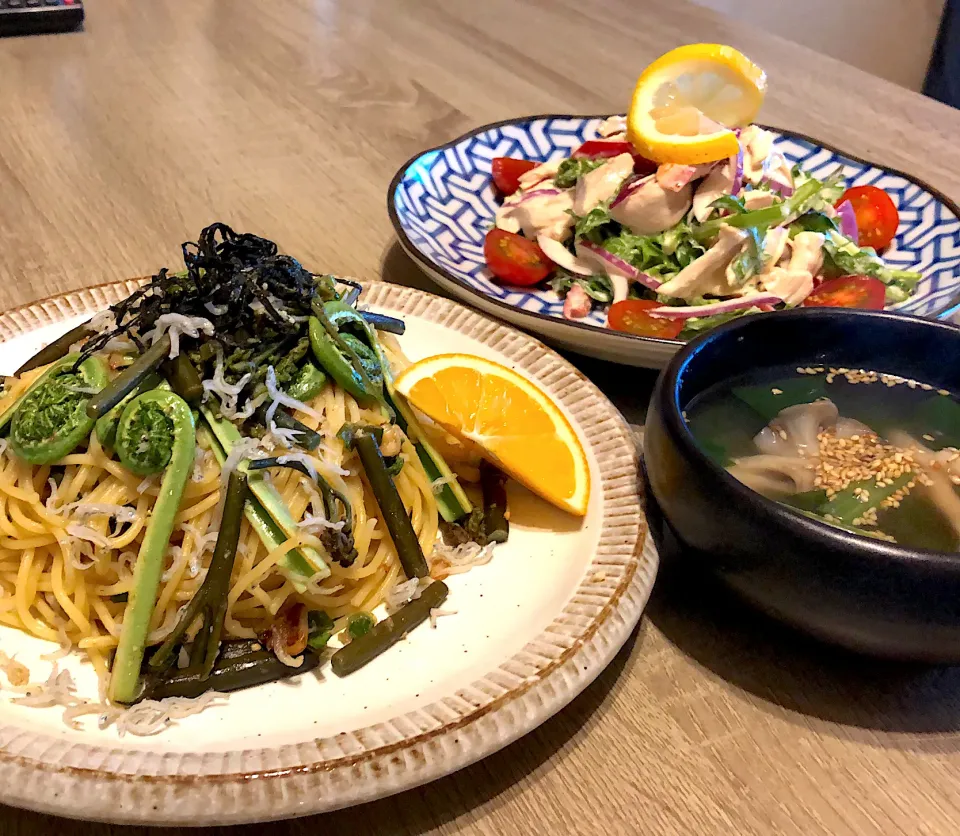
(687, 102)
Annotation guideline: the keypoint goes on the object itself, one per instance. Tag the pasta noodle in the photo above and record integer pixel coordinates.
(65, 575)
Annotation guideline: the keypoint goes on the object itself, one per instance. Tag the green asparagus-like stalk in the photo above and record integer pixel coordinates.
(272, 518)
(128, 380)
(383, 636)
(210, 601)
(364, 441)
(57, 350)
(124, 681)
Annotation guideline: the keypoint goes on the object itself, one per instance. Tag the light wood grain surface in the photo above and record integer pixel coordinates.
(288, 119)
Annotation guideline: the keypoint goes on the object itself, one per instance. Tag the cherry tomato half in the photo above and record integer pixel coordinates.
(877, 216)
(598, 149)
(507, 172)
(643, 166)
(631, 315)
(515, 260)
(849, 292)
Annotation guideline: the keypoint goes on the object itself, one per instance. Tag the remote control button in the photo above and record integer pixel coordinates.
(33, 2)
(13, 4)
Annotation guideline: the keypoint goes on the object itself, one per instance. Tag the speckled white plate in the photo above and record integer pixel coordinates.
(533, 628)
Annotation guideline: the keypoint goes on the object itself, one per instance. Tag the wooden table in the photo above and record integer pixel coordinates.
(288, 119)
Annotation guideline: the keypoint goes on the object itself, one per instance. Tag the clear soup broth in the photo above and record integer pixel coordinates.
(871, 453)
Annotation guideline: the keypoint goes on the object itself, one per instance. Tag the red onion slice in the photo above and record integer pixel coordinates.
(536, 193)
(723, 306)
(737, 172)
(630, 185)
(599, 149)
(613, 265)
(848, 222)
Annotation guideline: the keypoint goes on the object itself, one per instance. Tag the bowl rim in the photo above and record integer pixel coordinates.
(427, 266)
(667, 398)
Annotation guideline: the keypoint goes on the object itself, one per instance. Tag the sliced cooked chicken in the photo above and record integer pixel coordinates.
(535, 176)
(708, 274)
(807, 252)
(613, 127)
(577, 303)
(539, 214)
(650, 209)
(716, 184)
(758, 199)
(601, 184)
(793, 286)
(674, 177)
(757, 145)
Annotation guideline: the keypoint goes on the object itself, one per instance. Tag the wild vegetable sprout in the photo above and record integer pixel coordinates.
(223, 481)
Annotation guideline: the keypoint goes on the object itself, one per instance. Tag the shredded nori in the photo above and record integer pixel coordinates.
(257, 299)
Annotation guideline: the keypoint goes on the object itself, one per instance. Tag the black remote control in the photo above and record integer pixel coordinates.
(34, 17)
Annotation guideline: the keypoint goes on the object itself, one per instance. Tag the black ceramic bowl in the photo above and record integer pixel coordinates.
(864, 594)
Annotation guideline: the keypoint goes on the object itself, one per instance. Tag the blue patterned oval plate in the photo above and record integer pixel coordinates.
(442, 202)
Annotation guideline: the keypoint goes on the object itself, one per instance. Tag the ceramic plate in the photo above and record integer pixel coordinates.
(533, 628)
(442, 202)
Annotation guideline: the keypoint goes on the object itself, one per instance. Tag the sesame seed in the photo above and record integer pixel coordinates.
(776, 391)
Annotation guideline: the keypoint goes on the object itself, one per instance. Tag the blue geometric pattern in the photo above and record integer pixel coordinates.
(445, 202)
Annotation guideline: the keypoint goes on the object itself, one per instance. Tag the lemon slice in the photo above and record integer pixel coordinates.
(515, 424)
(687, 101)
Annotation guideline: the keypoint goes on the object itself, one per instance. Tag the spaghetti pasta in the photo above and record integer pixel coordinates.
(192, 485)
(87, 602)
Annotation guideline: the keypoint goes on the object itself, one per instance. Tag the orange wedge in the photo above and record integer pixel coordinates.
(514, 423)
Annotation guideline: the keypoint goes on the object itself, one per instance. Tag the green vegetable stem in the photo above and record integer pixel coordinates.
(266, 511)
(336, 508)
(210, 601)
(320, 627)
(307, 439)
(360, 623)
(184, 378)
(308, 383)
(452, 502)
(51, 419)
(388, 632)
(57, 350)
(493, 483)
(390, 324)
(138, 425)
(242, 663)
(338, 356)
(364, 441)
(128, 380)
